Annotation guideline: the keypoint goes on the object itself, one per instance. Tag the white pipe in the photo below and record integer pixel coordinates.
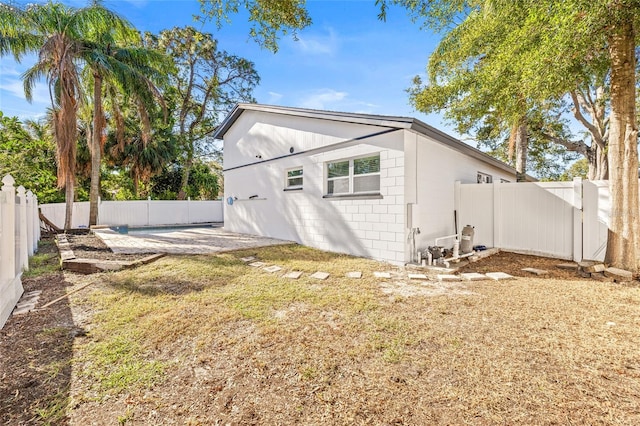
(445, 238)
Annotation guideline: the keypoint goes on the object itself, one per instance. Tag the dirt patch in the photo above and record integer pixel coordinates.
(90, 246)
(513, 263)
(36, 353)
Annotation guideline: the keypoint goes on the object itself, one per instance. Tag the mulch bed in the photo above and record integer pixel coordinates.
(513, 263)
(36, 352)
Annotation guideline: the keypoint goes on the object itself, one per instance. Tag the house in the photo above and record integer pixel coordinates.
(351, 183)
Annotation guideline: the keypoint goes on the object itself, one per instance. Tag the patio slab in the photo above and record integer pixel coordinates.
(184, 241)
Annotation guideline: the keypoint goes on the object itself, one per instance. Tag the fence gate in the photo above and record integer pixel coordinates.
(566, 220)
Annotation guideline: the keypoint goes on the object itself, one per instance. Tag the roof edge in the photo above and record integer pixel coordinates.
(397, 122)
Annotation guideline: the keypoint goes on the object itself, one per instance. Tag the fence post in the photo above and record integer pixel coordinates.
(30, 229)
(149, 211)
(497, 214)
(23, 260)
(188, 209)
(36, 222)
(577, 220)
(7, 242)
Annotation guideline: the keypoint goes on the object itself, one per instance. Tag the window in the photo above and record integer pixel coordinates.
(484, 178)
(294, 178)
(356, 176)
(504, 180)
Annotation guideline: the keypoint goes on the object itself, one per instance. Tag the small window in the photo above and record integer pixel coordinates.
(504, 180)
(356, 176)
(484, 178)
(294, 178)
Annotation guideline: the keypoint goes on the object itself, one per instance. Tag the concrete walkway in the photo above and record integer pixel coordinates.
(183, 241)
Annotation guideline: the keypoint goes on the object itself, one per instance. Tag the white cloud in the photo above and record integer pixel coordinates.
(14, 87)
(274, 97)
(325, 44)
(323, 98)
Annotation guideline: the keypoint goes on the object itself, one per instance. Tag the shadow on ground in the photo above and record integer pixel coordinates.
(36, 350)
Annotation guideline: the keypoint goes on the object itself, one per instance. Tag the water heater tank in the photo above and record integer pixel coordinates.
(466, 245)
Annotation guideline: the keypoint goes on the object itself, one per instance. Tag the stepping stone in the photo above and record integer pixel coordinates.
(248, 259)
(273, 268)
(570, 266)
(32, 294)
(320, 275)
(257, 264)
(417, 277)
(598, 267)
(448, 277)
(619, 275)
(21, 311)
(536, 271)
(473, 276)
(499, 276)
(355, 274)
(382, 274)
(294, 275)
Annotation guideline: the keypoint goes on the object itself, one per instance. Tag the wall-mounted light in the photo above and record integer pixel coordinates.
(259, 156)
(291, 150)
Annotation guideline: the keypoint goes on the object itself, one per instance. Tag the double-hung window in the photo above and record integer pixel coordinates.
(294, 178)
(355, 176)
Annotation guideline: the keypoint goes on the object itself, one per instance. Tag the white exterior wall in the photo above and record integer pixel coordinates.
(363, 227)
(435, 169)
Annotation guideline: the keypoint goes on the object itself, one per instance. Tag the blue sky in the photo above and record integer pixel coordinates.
(347, 60)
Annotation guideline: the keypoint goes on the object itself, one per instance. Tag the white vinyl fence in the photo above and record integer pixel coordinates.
(19, 236)
(139, 212)
(566, 220)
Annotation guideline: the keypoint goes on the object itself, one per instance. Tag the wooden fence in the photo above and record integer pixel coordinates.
(19, 236)
(566, 220)
(139, 212)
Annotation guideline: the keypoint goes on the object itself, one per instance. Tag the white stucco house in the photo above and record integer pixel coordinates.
(345, 182)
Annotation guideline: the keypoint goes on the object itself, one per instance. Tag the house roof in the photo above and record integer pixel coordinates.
(387, 121)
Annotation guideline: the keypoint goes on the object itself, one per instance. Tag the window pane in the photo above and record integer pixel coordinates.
(366, 183)
(366, 165)
(338, 186)
(292, 173)
(295, 181)
(338, 169)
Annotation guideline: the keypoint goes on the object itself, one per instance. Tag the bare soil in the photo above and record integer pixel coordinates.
(89, 246)
(36, 352)
(514, 263)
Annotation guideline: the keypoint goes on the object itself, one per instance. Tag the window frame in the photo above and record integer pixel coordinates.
(351, 176)
(483, 178)
(287, 179)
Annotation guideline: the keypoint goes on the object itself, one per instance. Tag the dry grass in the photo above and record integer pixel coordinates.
(204, 339)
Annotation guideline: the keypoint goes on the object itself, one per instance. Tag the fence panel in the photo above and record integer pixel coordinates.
(139, 212)
(19, 236)
(596, 213)
(536, 218)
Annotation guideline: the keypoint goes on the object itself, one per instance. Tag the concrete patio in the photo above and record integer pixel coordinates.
(183, 241)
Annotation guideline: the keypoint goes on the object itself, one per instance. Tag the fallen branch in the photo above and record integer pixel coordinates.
(65, 296)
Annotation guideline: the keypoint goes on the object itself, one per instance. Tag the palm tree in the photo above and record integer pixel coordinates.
(131, 70)
(57, 34)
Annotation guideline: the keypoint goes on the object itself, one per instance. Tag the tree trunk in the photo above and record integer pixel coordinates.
(602, 171)
(182, 194)
(65, 131)
(622, 244)
(521, 142)
(95, 148)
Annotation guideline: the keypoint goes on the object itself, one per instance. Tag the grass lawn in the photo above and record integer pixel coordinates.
(209, 339)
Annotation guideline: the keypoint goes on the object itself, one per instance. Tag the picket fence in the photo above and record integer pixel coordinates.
(138, 212)
(565, 220)
(19, 236)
